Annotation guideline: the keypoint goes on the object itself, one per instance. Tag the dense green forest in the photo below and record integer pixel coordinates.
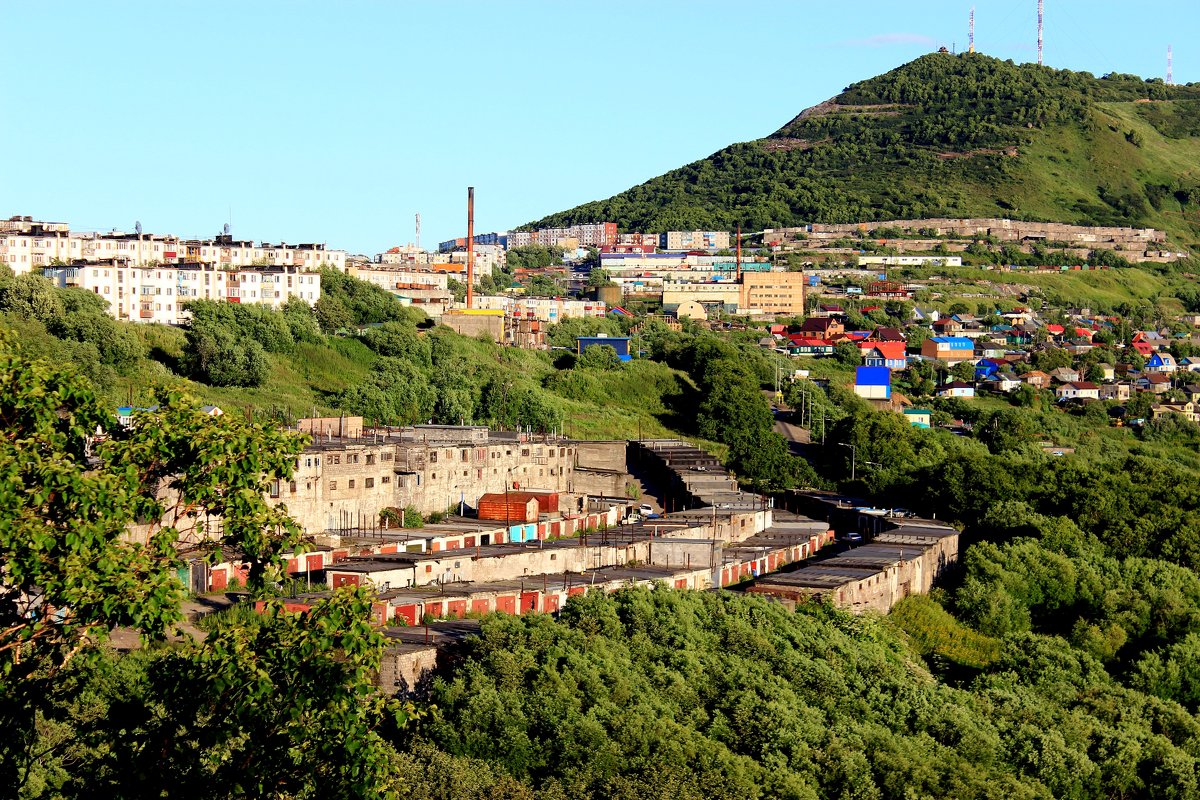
(1062, 659)
(947, 136)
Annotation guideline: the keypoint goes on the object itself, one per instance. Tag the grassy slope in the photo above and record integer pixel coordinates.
(638, 398)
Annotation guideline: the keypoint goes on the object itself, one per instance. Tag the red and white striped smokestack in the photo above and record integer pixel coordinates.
(470, 245)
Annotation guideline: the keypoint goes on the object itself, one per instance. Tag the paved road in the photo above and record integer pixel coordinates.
(796, 436)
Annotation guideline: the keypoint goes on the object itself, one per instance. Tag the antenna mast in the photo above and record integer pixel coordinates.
(470, 244)
(971, 32)
(418, 230)
(1170, 77)
(1040, 4)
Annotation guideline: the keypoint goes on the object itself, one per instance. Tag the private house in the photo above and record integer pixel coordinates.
(884, 354)
(882, 334)
(1065, 375)
(1121, 392)
(951, 349)
(1155, 382)
(1189, 364)
(805, 346)
(1186, 410)
(822, 327)
(919, 417)
(1005, 382)
(1037, 379)
(948, 326)
(1144, 348)
(873, 383)
(1161, 362)
(986, 368)
(957, 389)
(1151, 339)
(1078, 390)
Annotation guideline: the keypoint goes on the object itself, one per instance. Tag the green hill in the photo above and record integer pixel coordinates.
(947, 135)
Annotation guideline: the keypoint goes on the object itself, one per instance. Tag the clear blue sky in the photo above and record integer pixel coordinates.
(336, 122)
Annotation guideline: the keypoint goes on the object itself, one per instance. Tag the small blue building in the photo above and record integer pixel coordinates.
(873, 383)
(618, 343)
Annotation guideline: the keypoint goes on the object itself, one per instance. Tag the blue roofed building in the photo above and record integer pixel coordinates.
(618, 343)
(873, 383)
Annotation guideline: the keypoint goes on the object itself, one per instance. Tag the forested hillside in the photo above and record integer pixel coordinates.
(947, 135)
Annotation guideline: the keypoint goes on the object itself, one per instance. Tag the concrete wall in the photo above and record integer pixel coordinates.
(402, 668)
(601, 455)
(600, 483)
(388, 474)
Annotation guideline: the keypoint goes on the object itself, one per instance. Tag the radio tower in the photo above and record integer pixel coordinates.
(971, 32)
(1040, 2)
(1170, 77)
(418, 230)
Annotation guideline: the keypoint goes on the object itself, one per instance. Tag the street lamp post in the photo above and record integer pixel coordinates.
(853, 458)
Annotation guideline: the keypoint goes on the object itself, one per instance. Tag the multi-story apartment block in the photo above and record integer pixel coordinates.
(156, 293)
(772, 293)
(543, 309)
(597, 234)
(694, 240)
(27, 245)
(421, 289)
(343, 482)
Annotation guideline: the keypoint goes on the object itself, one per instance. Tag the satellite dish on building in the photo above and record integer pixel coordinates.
(137, 227)
(226, 228)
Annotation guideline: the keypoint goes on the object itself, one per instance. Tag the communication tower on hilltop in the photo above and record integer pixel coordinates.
(971, 32)
(418, 230)
(1040, 9)
(1170, 77)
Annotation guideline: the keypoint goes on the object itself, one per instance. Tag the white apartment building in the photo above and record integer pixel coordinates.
(594, 234)
(425, 290)
(27, 245)
(695, 240)
(155, 293)
(543, 309)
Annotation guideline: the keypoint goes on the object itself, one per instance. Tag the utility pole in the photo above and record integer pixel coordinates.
(853, 457)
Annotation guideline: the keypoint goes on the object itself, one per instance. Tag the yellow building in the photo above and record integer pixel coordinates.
(772, 293)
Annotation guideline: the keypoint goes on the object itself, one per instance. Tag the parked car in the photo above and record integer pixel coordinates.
(645, 508)
(851, 537)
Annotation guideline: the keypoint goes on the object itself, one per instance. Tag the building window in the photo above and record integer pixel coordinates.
(352, 483)
(292, 487)
(369, 483)
(333, 486)
(386, 479)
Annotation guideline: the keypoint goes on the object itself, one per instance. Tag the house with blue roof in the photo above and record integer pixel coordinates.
(873, 383)
(618, 343)
(950, 349)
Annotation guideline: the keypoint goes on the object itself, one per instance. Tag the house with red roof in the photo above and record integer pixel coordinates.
(809, 346)
(884, 354)
(882, 334)
(822, 327)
